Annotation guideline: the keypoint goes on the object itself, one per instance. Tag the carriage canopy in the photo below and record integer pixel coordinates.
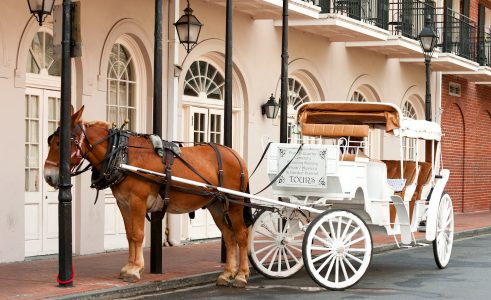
(335, 119)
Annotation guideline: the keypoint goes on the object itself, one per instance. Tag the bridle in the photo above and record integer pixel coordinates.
(78, 137)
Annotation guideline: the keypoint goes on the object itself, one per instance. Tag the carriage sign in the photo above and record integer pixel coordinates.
(307, 170)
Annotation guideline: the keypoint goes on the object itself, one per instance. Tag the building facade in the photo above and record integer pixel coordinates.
(359, 50)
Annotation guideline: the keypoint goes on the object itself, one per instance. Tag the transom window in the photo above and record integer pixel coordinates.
(121, 83)
(297, 95)
(41, 56)
(205, 81)
(408, 144)
(358, 97)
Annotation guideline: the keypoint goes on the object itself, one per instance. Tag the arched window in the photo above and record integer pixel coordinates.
(204, 80)
(121, 85)
(409, 144)
(41, 57)
(297, 95)
(358, 97)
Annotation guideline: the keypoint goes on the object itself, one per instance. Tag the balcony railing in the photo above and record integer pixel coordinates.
(407, 17)
(484, 49)
(457, 33)
(373, 12)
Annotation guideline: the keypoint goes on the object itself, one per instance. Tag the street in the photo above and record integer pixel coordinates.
(402, 274)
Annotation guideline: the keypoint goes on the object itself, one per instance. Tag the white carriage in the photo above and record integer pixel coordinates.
(332, 193)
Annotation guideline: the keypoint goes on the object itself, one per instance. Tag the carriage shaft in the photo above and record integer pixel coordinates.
(222, 189)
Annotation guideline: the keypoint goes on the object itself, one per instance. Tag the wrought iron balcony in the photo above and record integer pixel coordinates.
(484, 49)
(458, 33)
(407, 17)
(373, 12)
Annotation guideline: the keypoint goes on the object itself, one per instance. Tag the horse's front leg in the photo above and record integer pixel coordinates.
(135, 240)
(133, 211)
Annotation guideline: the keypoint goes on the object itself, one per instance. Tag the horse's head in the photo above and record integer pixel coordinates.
(77, 135)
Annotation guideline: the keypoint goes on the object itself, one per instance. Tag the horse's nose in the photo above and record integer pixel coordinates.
(49, 180)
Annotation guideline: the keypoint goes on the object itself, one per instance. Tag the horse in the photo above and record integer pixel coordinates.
(138, 194)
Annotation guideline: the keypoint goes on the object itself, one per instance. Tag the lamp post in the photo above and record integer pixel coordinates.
(270, 108)
(188, 28)
(40, 9)
(428, 39)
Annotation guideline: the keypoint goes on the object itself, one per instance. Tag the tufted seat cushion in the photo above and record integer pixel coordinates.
(394, 172)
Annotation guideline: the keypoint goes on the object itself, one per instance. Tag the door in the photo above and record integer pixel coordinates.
(206, 126)
(41, 200)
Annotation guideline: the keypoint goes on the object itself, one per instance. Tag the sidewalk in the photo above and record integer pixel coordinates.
(97, 275)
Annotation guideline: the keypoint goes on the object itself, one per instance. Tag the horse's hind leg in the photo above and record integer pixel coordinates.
(241, 237)
(230, 269)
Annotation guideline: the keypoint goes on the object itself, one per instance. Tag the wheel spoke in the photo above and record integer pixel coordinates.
(336, 275)
(349, 264)
(292, 255)
(351, 234)
(262, 241)
(323, 265)
(265, 248)
(327, 234)
(321, 240)
(354, 258)
(279, 259)
(338, 233)
(322, 256)
(267, 255)
(286, 259)
(333, 233)
(273, 259)
(355, 241)
(330, 268)
(346, 229)
(317, 248)
(343, 268)
(298, 249)
(266, 234)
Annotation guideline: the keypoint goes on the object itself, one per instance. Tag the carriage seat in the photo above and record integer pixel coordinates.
(335, 130)
(394, 172)
(424, 178)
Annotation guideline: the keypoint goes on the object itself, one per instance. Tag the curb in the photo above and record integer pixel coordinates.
(210, 277)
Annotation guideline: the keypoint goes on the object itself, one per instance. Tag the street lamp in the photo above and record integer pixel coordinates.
(270, 108)
(188, 28)
(41, 9)
(428, 39)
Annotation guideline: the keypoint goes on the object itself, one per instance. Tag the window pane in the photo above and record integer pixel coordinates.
(123, 94)
(123, 115)
(52, 108)
(112, 116)
(26, 184)
(27, 131)
(212, 123)
(51, 127)
(34, 131)
(32, 66)
(112, 96)
(34, 156)
(132, 118)
(34, 180)
(26, 162)
(33, 106)
(131, 95)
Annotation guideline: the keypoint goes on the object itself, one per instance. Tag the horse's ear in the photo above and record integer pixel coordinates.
(76, 117)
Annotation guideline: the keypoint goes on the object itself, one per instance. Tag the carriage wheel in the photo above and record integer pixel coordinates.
(442, 245)
(275, 243)
(337, 249)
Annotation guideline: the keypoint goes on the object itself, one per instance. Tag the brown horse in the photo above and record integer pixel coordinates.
(135, 195)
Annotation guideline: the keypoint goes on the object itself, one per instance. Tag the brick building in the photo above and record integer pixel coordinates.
(466, 114)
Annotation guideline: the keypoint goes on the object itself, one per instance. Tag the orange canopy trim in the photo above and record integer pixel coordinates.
(350, 113)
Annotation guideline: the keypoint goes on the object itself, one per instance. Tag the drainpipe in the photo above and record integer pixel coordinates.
(173, 231)
(438, 97)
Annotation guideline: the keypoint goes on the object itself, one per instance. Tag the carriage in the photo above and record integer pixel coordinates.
(329, 191)
(334, 194)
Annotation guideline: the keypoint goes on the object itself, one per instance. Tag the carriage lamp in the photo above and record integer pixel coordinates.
(270, 108)
(188, 28)
(428, 39)
(40, 9)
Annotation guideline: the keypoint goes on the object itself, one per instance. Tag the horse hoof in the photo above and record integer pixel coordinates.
(239, 283)
(223, 281)
(131, 278)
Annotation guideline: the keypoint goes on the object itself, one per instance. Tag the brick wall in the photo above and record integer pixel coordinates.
(466, 123)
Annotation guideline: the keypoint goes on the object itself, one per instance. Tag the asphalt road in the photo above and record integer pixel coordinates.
(402, 274)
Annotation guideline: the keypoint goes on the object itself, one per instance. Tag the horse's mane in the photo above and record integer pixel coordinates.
(102, 124)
